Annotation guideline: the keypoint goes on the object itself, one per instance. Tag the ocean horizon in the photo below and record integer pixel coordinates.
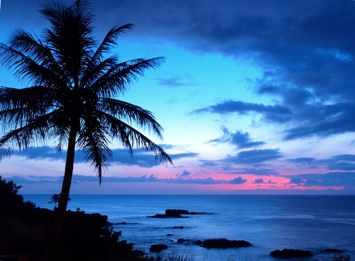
(268, 222)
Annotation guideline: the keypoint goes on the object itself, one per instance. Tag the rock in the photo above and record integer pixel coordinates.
(158, 248)
(181, 240)
(138, 253)
(175, 213)
(172, 212)
(179, 227)
(333, 250)
(169, 235)
(166, 216)
(224, 243)
(198, 242)
(291, 253)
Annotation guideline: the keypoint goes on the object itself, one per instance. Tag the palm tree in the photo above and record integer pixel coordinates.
(72, 96)
(55, 199)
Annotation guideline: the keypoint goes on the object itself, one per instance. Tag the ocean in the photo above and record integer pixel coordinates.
(312, 223)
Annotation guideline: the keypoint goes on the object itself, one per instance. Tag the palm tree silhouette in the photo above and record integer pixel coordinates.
(72, 96)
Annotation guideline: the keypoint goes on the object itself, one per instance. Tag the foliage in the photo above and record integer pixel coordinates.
(55, 199)
(10, 200)
(24, 230)
(340, 257)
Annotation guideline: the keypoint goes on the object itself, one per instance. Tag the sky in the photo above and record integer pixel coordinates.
(255, 97)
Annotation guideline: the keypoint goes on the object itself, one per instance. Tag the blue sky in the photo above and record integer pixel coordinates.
(254, 97)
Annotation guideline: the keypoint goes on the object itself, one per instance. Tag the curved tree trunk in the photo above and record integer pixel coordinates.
(53, 240)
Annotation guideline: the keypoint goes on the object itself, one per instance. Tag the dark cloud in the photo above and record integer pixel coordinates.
(175, 82)
(239, 139)
(343, 179)
(255, 159)
(238, 180)
(302, 160)
(37, 179)
(243, 141)
(40, 153)
(184, 174)
(183, 155)
(255, 171)
(120, 156)
(142, 179)
(254, 156)
(342, 162)
(270, 112)
(259, 181)
(296, 180)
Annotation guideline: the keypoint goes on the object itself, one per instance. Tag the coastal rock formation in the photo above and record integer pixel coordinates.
(291, 253)
(178, 227)
(171, 212)
(166, 216)
(223, 243)
(158, 248)
(333, 250)
(175, 213)
(181, 240)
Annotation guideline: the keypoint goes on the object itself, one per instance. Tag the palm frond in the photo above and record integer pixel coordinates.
(25, 68)
(37, 130)
(71, 36)
(119, 76)
(18, 106)
(94, 142)
(96, 65)
(131, 113)
(130, 137)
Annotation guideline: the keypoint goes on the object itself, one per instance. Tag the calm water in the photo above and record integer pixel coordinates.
(268, 222)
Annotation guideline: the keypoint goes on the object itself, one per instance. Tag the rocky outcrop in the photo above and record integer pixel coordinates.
(181, 240)
(175, 213)
(223, 243)
(291, 253)
(333, 250)
(178, 227)
(158, 248)
(171, 212)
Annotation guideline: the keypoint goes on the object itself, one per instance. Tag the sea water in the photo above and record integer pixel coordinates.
(312, 223)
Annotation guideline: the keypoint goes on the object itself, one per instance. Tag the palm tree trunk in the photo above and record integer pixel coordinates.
(52, 243)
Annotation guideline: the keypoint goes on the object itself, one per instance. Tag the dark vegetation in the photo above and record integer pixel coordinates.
(24, 229)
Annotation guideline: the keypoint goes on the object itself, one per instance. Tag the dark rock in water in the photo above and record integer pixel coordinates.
(181, 240)
(175, 213)
(166, 216)
(172, 212)
(333, 250)
(158, 248)
(138, 252)
(224, 243)
(169, 235)
(181, 212)
(290, 253)
(198, 242)
(179, 227)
